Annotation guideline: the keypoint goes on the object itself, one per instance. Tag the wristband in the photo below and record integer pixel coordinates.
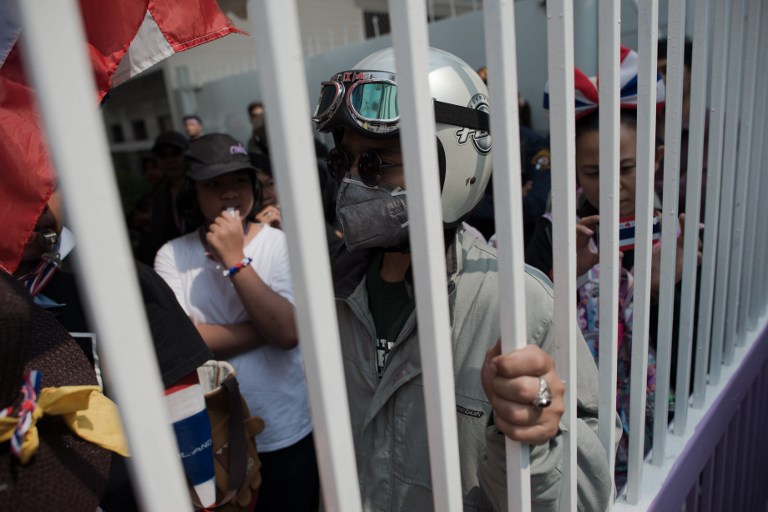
(234, 269)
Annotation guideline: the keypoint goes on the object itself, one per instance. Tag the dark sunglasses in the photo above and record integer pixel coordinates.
(370, 166)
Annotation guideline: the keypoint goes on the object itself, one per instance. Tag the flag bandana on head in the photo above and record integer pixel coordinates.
(586, 88)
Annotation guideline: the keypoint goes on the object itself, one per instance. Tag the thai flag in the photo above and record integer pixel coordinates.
(627, 232)
(189, 416)
(124, 37)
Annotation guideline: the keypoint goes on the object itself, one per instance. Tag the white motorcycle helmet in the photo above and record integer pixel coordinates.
(364, 99)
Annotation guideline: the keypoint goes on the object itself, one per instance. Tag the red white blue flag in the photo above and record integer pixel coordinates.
(124, 37)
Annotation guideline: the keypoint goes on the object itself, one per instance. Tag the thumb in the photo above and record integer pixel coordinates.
(489, 369)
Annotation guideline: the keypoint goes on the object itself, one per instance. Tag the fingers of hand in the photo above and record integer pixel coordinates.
(527, 361)
(489, 369)
(517, 391)
(583, 234)
(524, 422)
(538, 433)
(590, 221)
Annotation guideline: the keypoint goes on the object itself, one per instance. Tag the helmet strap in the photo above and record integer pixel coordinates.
(462, 116)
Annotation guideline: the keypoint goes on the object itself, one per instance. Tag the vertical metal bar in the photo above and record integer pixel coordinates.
(104, 265)
(417, 135)
(742, 491)
(759, 473)
(609, 28)
(501, 58)
(648, 22)
(757, 439)
(759, 212)
(732, 461)
(707, 484)
(736, 309)
(761, 292)
(720, 489)
(562, 101)
(278, 46)
(708, 338)
(720, 328)
(667, 281)
(761, 287)
(755, 201)
(691, 501)
(698, 106)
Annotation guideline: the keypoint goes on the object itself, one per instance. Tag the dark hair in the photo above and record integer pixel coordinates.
(524, 113)
(189, 209)
(591, 121)
(252, 105)
(192, 116)
(261, 162)
(687, 56)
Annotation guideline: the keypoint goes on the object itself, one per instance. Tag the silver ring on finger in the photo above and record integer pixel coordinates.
(544, 396)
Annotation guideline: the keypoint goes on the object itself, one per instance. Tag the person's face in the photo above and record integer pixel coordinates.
(231, 190)
(50, 221)
(152, 172)
(268, 195)
(588, 168)
(170, 160)
(257, 116)
(388, 149)
(193, 128)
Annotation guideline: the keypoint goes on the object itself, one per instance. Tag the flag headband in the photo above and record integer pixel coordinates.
(586, 93)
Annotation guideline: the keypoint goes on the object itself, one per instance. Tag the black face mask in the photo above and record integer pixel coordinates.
(372, 217)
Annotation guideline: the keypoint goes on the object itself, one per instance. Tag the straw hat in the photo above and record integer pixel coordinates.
(65, 472)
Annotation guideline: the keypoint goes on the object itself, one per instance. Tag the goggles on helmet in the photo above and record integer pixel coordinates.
(369, 99)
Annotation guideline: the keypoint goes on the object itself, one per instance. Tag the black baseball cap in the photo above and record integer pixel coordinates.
(215, 154)
(171, 139)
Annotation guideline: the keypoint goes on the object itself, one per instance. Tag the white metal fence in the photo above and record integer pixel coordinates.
(730, 77)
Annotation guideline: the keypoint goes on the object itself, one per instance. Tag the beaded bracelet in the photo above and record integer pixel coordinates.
(233, 270)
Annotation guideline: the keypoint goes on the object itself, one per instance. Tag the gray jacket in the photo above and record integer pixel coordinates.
(388, 414)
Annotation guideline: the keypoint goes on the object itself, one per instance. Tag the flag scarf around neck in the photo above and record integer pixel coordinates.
(124, 37)
(586, 88)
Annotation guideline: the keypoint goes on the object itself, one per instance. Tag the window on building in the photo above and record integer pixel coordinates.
(139, 129)
(117, 133)
(376, 24)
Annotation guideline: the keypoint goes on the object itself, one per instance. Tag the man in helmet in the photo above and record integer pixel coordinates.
(517, 394)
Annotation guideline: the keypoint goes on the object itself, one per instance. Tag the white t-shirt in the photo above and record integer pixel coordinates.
(271, 379)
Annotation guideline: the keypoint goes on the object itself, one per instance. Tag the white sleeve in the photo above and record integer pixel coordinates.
(165, 266)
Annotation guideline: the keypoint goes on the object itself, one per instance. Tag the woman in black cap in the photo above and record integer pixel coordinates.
(231, 276)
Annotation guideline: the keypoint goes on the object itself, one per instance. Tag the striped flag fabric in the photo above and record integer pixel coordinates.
(188, 414)
(124, 37)
(586, 88)
(627, 232)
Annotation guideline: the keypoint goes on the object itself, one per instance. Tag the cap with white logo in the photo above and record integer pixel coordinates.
(213, 155)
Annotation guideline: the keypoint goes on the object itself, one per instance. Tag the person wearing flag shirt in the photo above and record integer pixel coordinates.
(539, 251)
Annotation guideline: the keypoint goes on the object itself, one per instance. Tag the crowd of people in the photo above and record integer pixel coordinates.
(221, 288)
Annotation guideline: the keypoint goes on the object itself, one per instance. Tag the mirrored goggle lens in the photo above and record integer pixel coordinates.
(374, 101)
